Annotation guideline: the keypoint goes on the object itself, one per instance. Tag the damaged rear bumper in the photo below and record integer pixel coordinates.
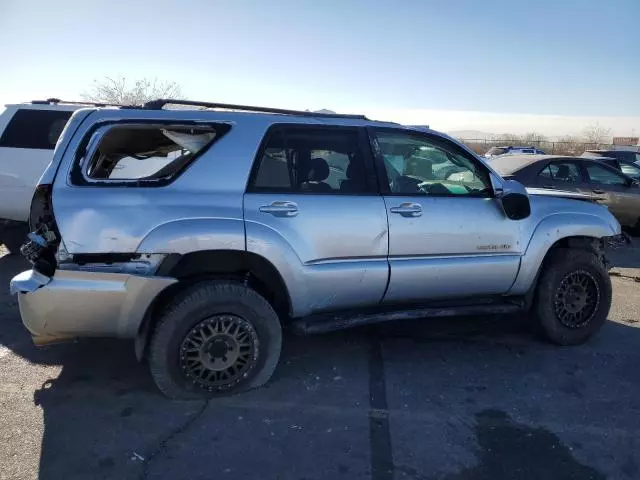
(80, 303)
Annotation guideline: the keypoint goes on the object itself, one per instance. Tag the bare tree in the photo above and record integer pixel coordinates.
(533, 138)
(596, 134)
(568, 145)
(121, 91)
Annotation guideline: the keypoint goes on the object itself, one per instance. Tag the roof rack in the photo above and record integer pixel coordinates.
(158, 104)
(50, 101)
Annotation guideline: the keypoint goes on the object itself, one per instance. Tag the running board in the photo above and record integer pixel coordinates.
(328, 322)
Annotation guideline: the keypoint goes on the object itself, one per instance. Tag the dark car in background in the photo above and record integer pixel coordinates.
(620, 162)
(594, 178)
(631, 155)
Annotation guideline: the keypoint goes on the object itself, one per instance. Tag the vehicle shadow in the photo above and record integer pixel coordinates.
(103, 417)
(627, 256)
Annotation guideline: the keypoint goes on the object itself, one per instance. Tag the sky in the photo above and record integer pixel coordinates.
(553, 66)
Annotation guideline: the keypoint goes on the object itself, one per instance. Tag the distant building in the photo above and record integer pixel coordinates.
(626, 141)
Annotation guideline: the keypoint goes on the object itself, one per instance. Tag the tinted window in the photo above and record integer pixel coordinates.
(611, 162)
(567, 172)
(311, 160)
(630, 169)
(139, 152)
(37, 129)
(603, 175)
(416, 165)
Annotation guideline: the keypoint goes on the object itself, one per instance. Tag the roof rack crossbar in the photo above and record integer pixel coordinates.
(160, 103)
(49, 101)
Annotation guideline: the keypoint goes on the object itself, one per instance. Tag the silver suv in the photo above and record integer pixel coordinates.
(202, 233)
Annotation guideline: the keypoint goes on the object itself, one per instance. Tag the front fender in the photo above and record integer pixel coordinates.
(551, 229)
(191, 235)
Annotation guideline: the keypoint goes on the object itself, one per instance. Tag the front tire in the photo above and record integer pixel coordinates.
(216, 338)
(573, 296)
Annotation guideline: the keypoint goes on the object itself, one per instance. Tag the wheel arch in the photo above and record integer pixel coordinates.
(559, 231)
(238, 266)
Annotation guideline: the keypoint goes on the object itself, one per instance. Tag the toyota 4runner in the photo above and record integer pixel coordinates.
(201, 233)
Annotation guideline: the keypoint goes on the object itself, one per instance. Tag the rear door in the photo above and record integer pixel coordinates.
(448, 235)
(312, 191)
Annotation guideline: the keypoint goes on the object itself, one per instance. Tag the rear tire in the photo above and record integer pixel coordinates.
(216, 338)
(573, 296)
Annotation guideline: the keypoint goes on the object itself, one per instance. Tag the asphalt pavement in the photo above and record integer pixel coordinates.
(455, 399)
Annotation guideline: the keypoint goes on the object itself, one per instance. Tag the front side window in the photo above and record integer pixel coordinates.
(311, 160)
(604, 176)
(147, 152)
(37, 129)
(418, 165)
(566, 172)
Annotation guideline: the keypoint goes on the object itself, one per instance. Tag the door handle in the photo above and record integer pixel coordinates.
(548, 186)
(598, 190)
(407, 209)
(280, 209)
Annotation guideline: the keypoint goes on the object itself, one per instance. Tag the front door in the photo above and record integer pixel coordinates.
(615, 190)
(312, 194)
(448, 236)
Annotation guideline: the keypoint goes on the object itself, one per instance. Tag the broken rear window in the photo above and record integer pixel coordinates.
(148, 152)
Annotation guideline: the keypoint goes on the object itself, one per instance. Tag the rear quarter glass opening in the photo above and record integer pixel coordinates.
(141, 154)
(34, 129)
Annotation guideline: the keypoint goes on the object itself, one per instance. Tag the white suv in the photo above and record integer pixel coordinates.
(28, 135)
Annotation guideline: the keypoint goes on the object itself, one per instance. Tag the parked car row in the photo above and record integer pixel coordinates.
(202, 233)
(590, 176)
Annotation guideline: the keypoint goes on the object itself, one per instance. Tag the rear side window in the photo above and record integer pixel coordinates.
(311, 160)
(567, 172)
(146, 152)
(631, 169)
(37, 129)
(605, 176)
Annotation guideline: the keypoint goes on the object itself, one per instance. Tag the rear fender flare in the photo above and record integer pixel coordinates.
(191, 235)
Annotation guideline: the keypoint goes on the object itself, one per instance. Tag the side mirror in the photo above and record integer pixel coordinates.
(514, 200)
(516, 205)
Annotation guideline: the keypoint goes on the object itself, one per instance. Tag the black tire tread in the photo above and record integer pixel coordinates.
(559, 263)
(200, 294)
